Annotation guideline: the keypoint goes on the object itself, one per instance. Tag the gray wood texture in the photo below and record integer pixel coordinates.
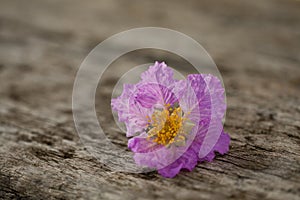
(256, 45)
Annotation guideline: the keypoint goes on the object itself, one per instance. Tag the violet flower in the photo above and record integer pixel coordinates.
(173, 124)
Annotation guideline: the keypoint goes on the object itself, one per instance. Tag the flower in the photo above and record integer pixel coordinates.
(173, 124)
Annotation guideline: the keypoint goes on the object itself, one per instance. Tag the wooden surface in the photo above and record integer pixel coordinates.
(256, 45)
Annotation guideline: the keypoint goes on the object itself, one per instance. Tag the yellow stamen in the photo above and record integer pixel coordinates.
(167, 125)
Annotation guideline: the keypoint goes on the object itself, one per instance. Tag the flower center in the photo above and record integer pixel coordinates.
(165, 126)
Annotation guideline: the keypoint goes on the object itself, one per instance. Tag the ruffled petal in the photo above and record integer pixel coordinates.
(203, 97)
(156, 85)
(130, 112)
(159, 73)
(135, 105)
(187, 161)
(154, 95)
(222, 147)
(217, 94)
(141, 144)
(218, 107)
(120, 104)
(171, 170)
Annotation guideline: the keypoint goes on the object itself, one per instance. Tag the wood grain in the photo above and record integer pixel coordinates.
(255, 44)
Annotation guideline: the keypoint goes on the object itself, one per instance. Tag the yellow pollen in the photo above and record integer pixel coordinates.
(166, 126)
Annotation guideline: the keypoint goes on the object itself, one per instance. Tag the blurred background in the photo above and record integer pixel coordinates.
(255, 44)
(44, 42)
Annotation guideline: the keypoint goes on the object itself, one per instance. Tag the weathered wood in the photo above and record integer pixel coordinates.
(255, 44)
